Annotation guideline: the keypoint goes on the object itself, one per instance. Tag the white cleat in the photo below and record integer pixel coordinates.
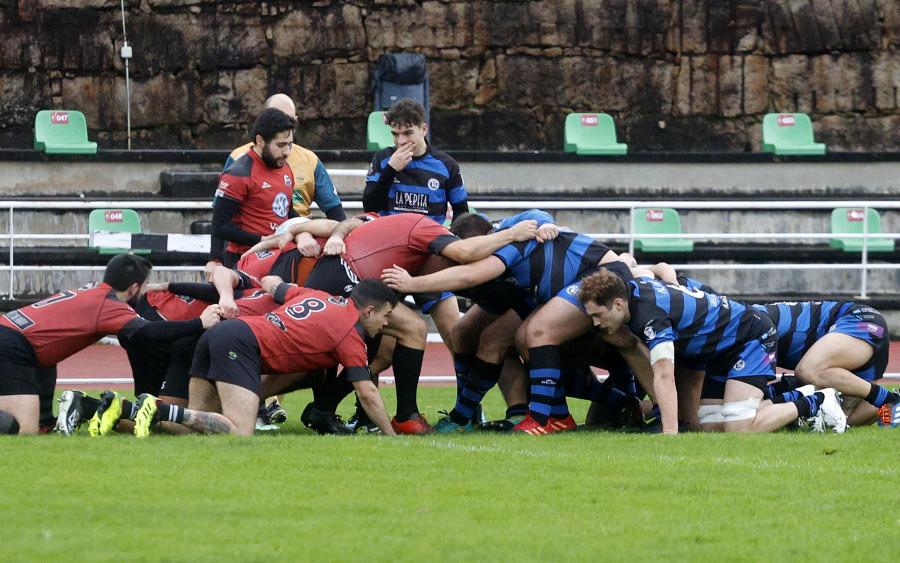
(831, 412)
(806, 390)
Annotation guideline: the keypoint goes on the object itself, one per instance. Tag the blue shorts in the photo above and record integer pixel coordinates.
(753, 361)
(868, 325)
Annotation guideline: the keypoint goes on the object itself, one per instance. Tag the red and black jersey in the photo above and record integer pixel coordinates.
(61, 325)
(264, 194)
(181, 307)
(312, 330)
(404, 239)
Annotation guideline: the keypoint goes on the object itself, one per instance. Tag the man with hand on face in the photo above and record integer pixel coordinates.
(413, 177)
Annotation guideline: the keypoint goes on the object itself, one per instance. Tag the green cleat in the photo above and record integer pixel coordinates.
(107, 416)
(145, 414)
(447, 425)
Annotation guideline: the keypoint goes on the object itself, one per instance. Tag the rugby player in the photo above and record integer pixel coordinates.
(313, 330)
(49, 331)
(734, 343)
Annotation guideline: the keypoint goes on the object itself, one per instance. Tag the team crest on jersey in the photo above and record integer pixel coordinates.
(280, 205)
(739, 365)
(232, 355)
(433, 184)
(273, 318)
(287, 181)
(649, 333)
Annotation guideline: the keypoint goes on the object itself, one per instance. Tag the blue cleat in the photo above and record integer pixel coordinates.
(447, 425)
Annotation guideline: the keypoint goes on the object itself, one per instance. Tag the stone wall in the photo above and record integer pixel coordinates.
(676, 75)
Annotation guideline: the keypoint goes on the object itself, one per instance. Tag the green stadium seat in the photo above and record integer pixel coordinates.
(789, 134)
(659, 221)
(62, 132)
(592, 133)
(850, 220)
(116, 221)
(378, 133)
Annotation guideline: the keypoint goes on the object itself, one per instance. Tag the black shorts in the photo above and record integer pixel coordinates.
(177, 373)
(333, 276)
(229, 352)
(18, 365)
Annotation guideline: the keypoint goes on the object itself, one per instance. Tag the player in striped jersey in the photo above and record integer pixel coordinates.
(551, 272)
(734, 343)
(837, 344)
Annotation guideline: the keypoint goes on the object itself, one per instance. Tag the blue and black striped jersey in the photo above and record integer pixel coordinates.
(701, 325)
(801, 323)
(425, 186)
(547, 268)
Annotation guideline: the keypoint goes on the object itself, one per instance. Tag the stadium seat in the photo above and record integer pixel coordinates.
(398, 76)
(115, 221)
(659, 221)
(789, 134)
(592, 133)
(62, 132)
(378, 133)
(850, 220)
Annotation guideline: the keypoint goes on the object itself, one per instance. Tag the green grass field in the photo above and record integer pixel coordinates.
(294, 496)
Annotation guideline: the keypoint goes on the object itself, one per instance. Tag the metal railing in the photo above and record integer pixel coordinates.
(864, 265)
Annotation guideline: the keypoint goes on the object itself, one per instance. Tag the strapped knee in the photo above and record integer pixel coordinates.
(740, 410)
(709, 414)
(8, 423)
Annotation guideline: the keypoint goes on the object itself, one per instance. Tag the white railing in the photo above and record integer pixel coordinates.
(863, 265)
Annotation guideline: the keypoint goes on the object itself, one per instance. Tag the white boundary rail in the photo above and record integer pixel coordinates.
(864, 265)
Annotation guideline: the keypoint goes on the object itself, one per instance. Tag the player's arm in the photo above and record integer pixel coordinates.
(225, 281)
(373, 404)
(335, 243)
(471, 249)
(316, 227)
(378, 184)
(155, 331)
(224, 228)
(202, 291)
(326, 196)
(666, 394)
(448, 279)
(547, 229)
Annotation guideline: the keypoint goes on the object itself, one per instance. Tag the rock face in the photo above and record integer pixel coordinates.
(677, 75)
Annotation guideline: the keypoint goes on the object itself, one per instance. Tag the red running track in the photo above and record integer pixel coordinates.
(110, 361)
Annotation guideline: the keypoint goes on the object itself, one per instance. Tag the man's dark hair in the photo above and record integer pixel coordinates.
(469, 225)
(405, 113)
(126, 269)
(271, 122)
(373, 292)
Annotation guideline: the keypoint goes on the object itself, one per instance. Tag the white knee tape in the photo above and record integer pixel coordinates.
(710, 413)
(741, 410)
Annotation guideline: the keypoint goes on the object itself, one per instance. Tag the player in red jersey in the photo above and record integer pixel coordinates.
(360, 248)
(47, 332)
(254, 193)
(313, 330)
